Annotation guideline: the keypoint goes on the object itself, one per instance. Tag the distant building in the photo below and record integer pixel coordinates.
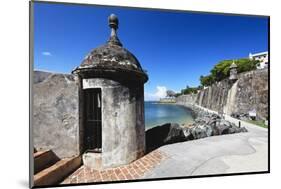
(262, 57)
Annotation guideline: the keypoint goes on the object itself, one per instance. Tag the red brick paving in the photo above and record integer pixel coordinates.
(131, 171)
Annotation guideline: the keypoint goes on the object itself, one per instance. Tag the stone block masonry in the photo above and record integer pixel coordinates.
(55, 113)
(249, 92)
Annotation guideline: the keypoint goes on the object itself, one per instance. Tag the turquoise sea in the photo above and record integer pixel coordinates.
(158, 114)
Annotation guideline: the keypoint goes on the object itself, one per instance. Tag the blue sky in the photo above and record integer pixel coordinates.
(174, 47)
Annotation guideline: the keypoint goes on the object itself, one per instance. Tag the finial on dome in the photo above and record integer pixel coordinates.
(113, 21)
(113, 24)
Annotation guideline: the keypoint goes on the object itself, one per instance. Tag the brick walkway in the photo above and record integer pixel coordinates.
(127, 172)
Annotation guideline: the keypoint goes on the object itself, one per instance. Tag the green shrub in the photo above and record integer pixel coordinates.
(221, 70)
(207, 80)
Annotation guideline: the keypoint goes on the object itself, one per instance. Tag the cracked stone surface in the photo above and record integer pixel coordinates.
(234, 153)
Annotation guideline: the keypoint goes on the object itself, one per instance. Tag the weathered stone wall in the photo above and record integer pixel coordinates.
(56, 117)
(252, 92)
(123, 132)
(39, 76)
(55, 113)
(187, 100)
(249, 92)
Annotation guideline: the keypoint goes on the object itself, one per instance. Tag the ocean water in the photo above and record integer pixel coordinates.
(158, 114)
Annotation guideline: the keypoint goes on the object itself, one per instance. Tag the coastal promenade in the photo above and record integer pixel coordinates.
(224, 154)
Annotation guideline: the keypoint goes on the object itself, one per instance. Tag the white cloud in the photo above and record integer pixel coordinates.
(46, 53)
(161, 92)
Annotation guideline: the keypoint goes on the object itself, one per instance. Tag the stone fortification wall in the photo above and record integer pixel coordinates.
(249, 92)
(55, 113)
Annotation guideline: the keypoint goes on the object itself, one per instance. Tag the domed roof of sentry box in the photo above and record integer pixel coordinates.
(111, 57)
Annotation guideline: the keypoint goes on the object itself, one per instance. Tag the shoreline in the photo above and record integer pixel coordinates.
(159, 102)
(181, 120)
(195, 108)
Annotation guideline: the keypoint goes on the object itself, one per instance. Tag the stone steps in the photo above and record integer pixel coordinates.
(44, 159)
(57, 172)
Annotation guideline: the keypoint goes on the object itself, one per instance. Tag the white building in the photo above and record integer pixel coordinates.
(262, 57)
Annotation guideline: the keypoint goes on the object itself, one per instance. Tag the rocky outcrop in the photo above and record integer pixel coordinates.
(212, 125)
(248, 93)
(55, 113)
(164, 134)
(205, 125)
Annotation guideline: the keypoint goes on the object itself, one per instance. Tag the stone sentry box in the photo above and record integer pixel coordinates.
(111, 88)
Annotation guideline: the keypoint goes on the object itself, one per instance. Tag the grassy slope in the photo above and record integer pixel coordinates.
(258, 123)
